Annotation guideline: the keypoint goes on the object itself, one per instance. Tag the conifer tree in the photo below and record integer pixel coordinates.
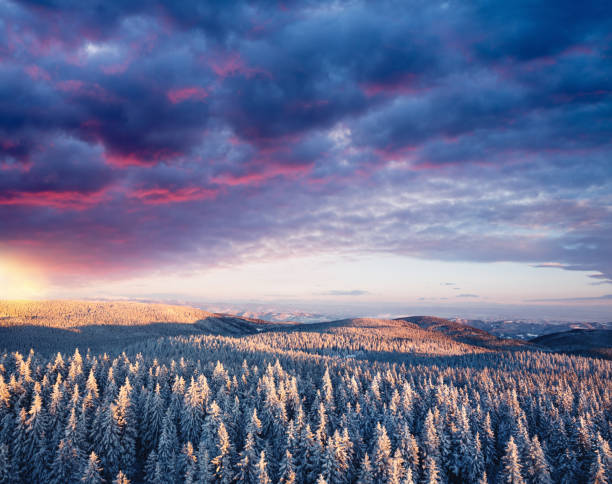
(93, 472)
(262, 473)
(222, 462)
(247, 463)
(510, 472)
(203, 473)
(108, 446)
(192, 415)
(36, 446)
(382, 454)
(396, 470)
(329, 464)
(125, 417)
(153, 419)
(431, 473)
(536, 467)
(69, 460)
(603, 448)
(366, 472)
(167, 449)
(430, 439)
(409, 448)
(310, 454)
(408, 477)
(121, 479)
(597, 471)
(5, 467)
(150, 467)
(287, 470)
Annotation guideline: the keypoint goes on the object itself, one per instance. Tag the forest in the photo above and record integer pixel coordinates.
(354, 401)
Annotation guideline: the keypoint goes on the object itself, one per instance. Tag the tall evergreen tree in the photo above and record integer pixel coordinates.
(287, 470)
(36, 446)
(5, 464)
(222, 462)
(597, 471)
(69, 458)
(189, 461)
(109, 445)
(93, 472)
(125, 417)
(382, 454)
(262, 473)
(366, 472)
(167, 449)
(121, 479)
(536, 467)
(510, 472)
(396, 470)
(203, 473)
(247, 463)
(431, 472)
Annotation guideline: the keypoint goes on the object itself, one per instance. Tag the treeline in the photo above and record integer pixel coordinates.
(70, 314)
(293, 407)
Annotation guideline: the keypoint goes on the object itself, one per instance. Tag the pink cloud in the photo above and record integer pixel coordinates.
(404, 85)
(233, 64)
(70, 200)
(193, 93)
(269, 171)
(139, 159)
(159, 196)
(80, 88)
(37, 73)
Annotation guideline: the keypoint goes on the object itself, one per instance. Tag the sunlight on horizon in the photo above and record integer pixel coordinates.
(20, 280)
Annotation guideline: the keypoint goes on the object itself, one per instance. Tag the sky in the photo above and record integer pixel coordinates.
(353, 153)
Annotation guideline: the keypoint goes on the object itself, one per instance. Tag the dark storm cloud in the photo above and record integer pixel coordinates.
(141, 134)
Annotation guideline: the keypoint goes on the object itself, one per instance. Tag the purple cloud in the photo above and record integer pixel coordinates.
(142, 135)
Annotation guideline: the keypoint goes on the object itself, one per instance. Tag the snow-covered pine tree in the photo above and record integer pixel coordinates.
(125, 416)
(222, 462)
(108, 446)
(188, 463)
(381, 454)
(366, 472)
(536, 468)
(262, 473)
(397, 471)
(92, 473)
(167, 449)
(597, 471)
(5, 464)
(247, 461)
(69, 459)
(510, 472)
(121, 479)
(287, 474)
(431, 472)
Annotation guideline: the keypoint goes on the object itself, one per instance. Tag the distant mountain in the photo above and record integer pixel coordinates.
(589, 342)
(462, 332)
(529, 329)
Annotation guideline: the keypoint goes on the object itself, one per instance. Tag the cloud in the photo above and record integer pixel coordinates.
(354, 292)
(139, 136)
(605, 297)
(468, 295)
